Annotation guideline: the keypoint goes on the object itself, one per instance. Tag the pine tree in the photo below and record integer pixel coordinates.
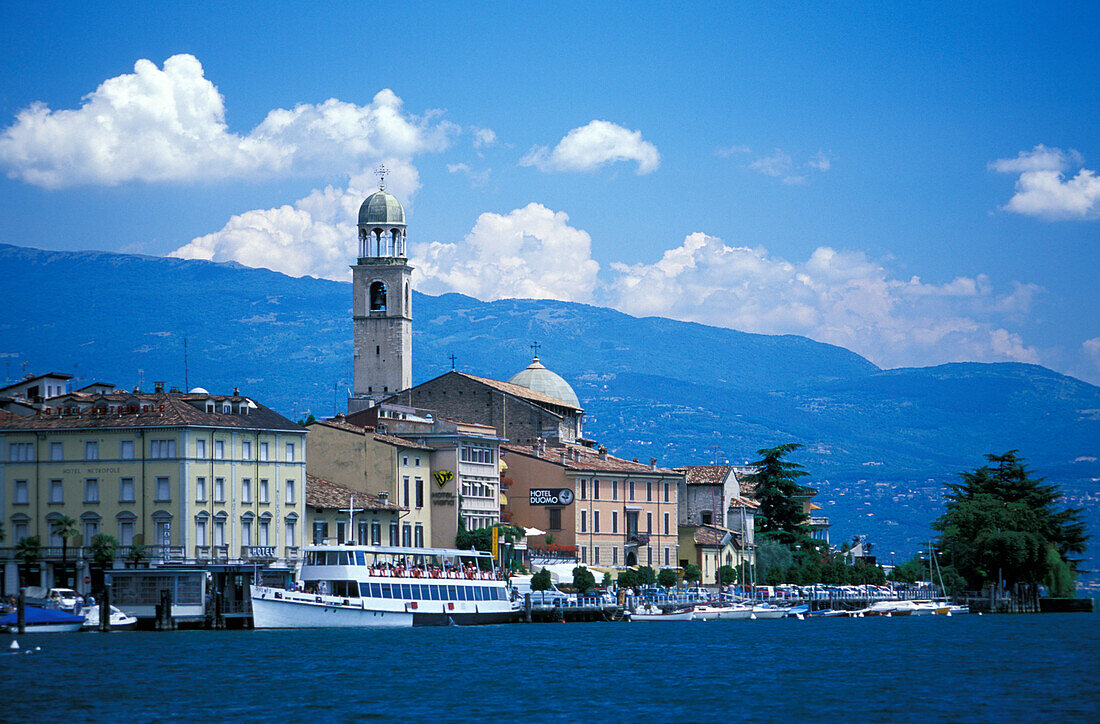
(779, 495)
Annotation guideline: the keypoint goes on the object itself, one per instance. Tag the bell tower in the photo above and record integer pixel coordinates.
(382, 302)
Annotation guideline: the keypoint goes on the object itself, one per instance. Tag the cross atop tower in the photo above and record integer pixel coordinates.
(452, 359)
(381, 172)
(535, 348)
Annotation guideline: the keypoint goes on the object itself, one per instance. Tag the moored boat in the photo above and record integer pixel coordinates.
(375, 586)
(655, 614)
(767, 611)
(119, 618)
(43, 620)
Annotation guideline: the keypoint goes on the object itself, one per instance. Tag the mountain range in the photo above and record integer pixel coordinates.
(879, 443)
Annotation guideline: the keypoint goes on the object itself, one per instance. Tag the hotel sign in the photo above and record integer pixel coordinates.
(255, 552)
(551, 496)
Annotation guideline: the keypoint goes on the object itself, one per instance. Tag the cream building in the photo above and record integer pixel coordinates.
(192, 477)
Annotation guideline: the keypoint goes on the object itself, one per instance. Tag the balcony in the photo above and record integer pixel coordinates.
(635, 539)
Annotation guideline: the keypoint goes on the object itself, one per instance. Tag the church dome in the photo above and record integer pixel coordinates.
(381, 209)
(536, 377)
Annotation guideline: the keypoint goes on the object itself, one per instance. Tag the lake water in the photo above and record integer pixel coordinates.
(972, 668)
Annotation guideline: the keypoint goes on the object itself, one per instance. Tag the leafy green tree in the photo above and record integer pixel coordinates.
(65, 527)
(727, 575)
(29, 550)
(771, 553)
(646, 575)
(692, 573)
(583, 580)
(774, 576)
(667, 577)
(103, 549)
(1002, 523)
(136, 555)
(541, 581)
(794, 575)
(628, 578)
(781, 517)
(913, 570)
(606, 579)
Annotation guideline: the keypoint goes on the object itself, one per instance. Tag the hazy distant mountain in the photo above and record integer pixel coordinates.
(879, 441)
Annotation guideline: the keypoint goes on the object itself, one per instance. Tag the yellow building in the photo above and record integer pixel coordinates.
(191, 477)
(373, 463)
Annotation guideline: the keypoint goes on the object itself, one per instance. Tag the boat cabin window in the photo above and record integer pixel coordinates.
(360, 558)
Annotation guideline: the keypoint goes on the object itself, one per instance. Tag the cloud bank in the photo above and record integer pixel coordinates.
(594, 145)
(1042, 189)
(168, 124)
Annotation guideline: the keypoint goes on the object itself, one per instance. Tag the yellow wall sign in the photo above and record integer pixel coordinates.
(442, 477)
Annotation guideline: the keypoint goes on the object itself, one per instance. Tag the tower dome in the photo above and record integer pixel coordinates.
(381, 210)
(536, 377)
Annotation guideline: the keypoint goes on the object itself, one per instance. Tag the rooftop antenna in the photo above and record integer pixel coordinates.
(535, 347)
(452, 359)
(381, 172)
(186, 371)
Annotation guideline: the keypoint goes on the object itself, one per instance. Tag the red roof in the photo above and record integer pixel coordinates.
(578, 457)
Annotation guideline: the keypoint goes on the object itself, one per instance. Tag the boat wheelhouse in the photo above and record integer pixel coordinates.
(349, 586)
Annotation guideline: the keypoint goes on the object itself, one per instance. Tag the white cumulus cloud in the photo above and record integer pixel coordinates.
(594, 145)
(779, 164)
(1043, 189)
(314, 236)
(530, 252)
(168, 124)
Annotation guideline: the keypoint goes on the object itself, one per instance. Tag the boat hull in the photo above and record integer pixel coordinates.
(47, 628)
(683, 616)
(735, 614)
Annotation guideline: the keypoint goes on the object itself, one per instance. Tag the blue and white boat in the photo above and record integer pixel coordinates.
(375, 586)
(43, 620)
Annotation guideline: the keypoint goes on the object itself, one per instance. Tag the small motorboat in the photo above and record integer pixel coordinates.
(710, 613)
(767, 611)
(736, 612)
(652, 613)
(119, 618)
(43, 620)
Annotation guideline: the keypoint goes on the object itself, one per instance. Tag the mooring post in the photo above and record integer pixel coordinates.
(105, 610)
(527, 607)
(21, 612)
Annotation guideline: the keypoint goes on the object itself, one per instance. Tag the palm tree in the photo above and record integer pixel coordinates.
(29, 550)
(65, 527)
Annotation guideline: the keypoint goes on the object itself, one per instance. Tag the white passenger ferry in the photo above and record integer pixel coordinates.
(367, 586)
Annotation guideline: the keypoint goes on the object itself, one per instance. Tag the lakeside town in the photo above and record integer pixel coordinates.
(188, 507)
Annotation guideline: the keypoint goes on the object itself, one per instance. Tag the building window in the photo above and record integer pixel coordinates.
(595, 490)
(246, 531)
(595, 555)
(264, 493)
(649, 555)
(21, 493)
(219, 490)
(614, 489)
(126, 532)
(91, 530)
(219, 449)
(614, 555)
(200, 448)
(649, 522)
(57, 451)
(91, 490)
(200, 489)
(555, 518)
(418, 535)
(290, 452)
(126, 449)
(162, 449)
(583, 490)
(264, 532)
(666, 523)
(21, 452)
(290, 538)
(595, 521)
(630, 491)
(405, 491)
(162, 492)
(290, 492)
(375, 533)
(57, 492)
(614, 522)
(668, 557)
(584, 521)
(476, 454)
(649, 491)
(246, 490)
(420, 492)
(21, 530)
(91, 450)
(200, 531)
(405, 461)
(246, 449)
(406, 535)
(417, 462)
(393, 533)
(667, 487)
(705, 517)
(263, 452)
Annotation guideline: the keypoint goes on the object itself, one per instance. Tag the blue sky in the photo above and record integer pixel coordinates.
(915, 183)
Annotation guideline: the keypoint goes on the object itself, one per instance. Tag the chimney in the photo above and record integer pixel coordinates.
(384, 498)
(564, 455)
(158, 388)
(634, 460)
(236, 392)
(653, 463)
(174, 390)
(340, 416)
(603, 452)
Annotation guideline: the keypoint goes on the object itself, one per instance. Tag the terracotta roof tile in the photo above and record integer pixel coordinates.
(520, 391)
(340, 424)
(712, 535)
(705, 474)
(321, 493)
(578, 457)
